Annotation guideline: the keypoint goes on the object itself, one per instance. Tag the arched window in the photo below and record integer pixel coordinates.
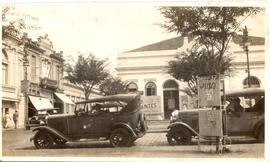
(4, 67)
(170, 84)
(254, 82)
(150, 89)
(132, 87)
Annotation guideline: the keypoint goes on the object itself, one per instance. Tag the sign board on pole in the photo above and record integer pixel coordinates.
(210, 123)
(209, 92)
(24, 86)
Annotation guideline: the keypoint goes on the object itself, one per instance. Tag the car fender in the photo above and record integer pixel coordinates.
(124, 125)
(182, 124)
(52, 131)
(258, 126)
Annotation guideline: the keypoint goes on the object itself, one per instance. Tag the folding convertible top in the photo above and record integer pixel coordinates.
(118, 97)
(245, 92)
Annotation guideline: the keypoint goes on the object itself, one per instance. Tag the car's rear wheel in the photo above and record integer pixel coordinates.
(260, 136)
(43, 140)
(178, 136)
(120, 137)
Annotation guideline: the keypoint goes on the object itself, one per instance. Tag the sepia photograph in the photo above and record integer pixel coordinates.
(134, 81)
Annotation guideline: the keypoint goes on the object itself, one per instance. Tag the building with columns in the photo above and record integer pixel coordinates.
(145, 71)
(12, 74)
(32, 78)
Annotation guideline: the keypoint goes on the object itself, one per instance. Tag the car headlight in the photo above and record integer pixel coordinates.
(46, 119)
(175, 115)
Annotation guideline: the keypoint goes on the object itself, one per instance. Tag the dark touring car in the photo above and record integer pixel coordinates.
(117, 118)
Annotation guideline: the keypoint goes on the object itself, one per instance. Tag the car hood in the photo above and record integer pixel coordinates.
(60, 116)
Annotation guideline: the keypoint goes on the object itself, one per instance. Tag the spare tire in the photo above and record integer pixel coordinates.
(142, 121)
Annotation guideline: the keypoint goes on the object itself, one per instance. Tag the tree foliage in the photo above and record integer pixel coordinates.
(112, 85)
(188, 67)
(211, 29)
(16, 23)
(87, 73)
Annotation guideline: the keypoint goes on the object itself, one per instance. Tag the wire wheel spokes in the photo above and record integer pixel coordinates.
(172, 139)
(43, 140)
(178, 137)
(120, 137)
(59, 141)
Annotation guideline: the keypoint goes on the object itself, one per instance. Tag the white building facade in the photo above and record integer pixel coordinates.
(145, 71)
(12, 74)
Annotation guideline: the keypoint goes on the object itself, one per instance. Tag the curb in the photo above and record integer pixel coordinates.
(156, 131)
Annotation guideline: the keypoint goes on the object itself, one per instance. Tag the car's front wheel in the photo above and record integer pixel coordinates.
(178, 136)
(43, 140)
(121, 137)
(59, 141)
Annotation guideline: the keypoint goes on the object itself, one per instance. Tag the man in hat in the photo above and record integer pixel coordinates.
(15, 118)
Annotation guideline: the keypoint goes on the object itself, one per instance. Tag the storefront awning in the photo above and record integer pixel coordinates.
(41, 103)
(63, 98)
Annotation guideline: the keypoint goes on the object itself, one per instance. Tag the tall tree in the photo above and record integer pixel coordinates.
(112, 85)
(188, 67)
(211, 29)
(87, 73)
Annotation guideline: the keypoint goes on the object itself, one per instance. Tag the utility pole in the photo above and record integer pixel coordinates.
(245, 45)
(25, 79)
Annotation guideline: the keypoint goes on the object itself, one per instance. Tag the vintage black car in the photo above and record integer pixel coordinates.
(117, 118)
(240, 121)
(39, 118)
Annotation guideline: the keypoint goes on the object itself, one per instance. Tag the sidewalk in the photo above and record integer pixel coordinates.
(158, 126)
(12, 129)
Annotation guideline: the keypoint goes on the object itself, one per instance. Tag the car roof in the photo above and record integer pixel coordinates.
(245, 92)
(118, 97)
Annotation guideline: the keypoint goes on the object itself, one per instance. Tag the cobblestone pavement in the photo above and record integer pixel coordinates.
(16, 143)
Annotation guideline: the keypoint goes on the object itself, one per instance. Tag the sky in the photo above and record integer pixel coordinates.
(104, 29)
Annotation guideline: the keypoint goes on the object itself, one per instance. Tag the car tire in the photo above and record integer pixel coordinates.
(120, 137)
(260, 136)
(59, 141)
(143, 125)
(178, 136)
(43, 140)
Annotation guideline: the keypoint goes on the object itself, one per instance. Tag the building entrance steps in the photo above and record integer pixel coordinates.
(157, 126)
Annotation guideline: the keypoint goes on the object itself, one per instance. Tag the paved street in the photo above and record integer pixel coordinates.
(17, 143)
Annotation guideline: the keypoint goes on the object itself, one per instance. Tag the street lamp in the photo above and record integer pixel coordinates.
(245, 44)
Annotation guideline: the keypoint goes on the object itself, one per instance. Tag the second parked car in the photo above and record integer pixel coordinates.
(241, 120)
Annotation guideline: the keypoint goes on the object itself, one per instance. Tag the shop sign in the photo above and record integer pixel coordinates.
(24, 86)
(151, 104)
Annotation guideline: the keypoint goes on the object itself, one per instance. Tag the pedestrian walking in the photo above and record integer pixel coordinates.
(15, 118)
(7, 120)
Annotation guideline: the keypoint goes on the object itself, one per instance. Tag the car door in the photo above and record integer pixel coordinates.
(242, 123)
(80, 125)
(102, 123)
